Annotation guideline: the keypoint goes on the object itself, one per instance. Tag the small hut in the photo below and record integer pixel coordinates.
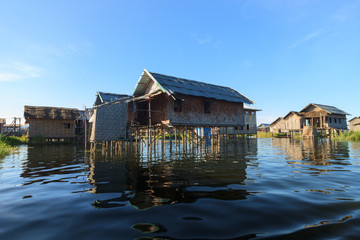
(264, 127)
(278, 126)
(109, 120)
(51, 122)
(354, 124)
(2, 123)
(293, 121)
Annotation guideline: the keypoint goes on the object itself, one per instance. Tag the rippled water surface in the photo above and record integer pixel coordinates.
(248, 189)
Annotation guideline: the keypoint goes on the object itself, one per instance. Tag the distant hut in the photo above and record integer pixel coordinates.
(173, 101)
(2, 123)
(264, 127)
(354, 124)
(51, 122)
(278, 126)
(324, 117)
(293, 121)
(250, 120)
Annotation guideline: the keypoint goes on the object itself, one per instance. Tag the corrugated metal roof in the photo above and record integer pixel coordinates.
(111, 97)
(330, 109)
(174, 85)
(246, 107)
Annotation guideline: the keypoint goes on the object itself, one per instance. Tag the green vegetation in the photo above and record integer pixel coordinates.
(350, 136)
(9, 144)
(264, 135)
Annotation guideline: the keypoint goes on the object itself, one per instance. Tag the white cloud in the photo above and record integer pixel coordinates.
(202, 39)
(16, 71)
(306, 38)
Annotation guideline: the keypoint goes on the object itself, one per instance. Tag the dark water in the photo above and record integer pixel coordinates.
(252, 189)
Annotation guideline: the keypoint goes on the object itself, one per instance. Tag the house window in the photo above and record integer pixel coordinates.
(339, 120)
(335, 120)
(66, 125)
(206, 107)
(247, 127)
(326, 119)
(329, 119)
(178, 105)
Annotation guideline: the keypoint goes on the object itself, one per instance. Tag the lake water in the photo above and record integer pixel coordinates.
(248, 189)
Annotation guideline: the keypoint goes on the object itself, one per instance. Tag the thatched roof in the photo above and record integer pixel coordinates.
(35, 112)
(174, 85)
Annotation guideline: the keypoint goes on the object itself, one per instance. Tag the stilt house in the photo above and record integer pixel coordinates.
(324, 117)
(173, 101)
(51, 122)
(278, 126)
(354, 124)
(264, 127)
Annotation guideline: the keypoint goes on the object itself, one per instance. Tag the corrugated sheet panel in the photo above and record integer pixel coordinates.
(331, 109)
(189, 87)
(111, 97)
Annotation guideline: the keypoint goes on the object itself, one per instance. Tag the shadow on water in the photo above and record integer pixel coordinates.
(147, 181)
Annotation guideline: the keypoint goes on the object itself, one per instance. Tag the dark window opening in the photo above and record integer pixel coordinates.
(335, 120)
(247, 127)
(178, 105)
(339, 120)
(326, 119)
(329, 119)
(66, 125)
(206, 107)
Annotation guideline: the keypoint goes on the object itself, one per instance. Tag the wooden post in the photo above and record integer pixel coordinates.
(170, 138)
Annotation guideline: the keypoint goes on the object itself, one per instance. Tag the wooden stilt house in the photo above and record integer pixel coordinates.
(324, 117)
(51, 122)
(172, 101)
(354, 124)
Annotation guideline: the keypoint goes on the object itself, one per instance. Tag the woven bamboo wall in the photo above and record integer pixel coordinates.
(51, 128)
(222, 113)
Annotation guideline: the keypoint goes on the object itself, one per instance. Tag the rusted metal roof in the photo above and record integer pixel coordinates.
(174, 85)
(35, 112)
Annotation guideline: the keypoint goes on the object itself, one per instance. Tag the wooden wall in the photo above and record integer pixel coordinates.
(222, 113)
(355, 125)
(51, 128)
(293, 122)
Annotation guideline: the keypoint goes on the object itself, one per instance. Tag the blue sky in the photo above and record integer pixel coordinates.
(282, 54)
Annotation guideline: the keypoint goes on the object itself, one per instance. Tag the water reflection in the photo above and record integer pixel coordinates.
(313, 151)
(49, 163)
(147, 182)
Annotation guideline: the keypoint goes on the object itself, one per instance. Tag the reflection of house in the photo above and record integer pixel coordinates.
(145, 184)
(354, 124)
(51, 122)
(277, 126)
(264, 127)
